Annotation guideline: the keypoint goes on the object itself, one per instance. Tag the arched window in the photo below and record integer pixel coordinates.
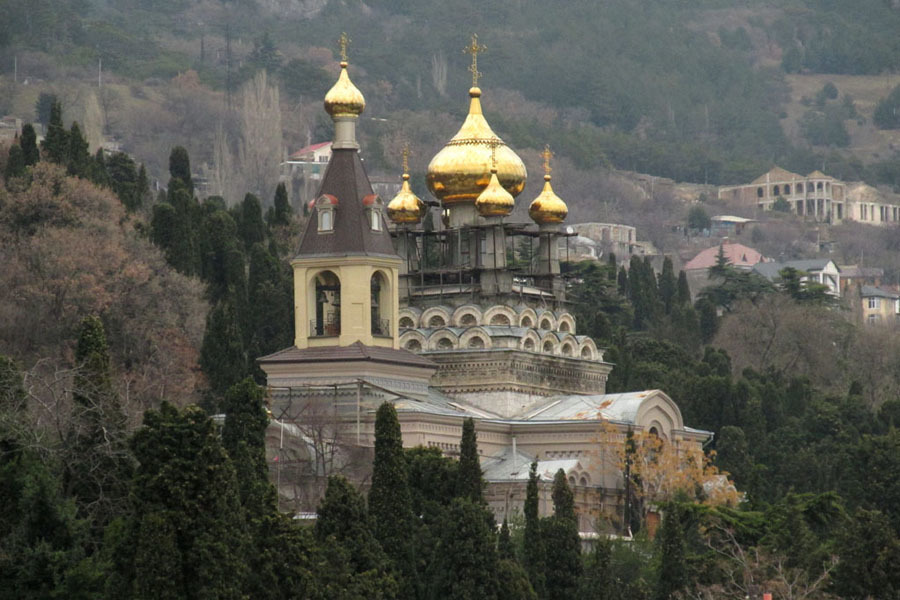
(500, 320)
(476, 342)
(526, 322)
(468, 320)
(586, 353)
(375, 218)
(564, 327)
(545, 324)
(380, 301)
(326, 219)
(759, 192)
(445, 344)
(799, 188)
(436, 321)
(548, 347)
(787, 189)
(529, 345)
(776, 191)
(567, 350)
(327, 305)
(407, 323)
(413, 346)
(819, 185)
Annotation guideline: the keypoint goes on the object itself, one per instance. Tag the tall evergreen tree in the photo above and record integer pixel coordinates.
(186, 503)
(270, 308)
(78, 158)
(251, 226)
(222, 355)
(504, 542)
(667, 285)
(56, 141)
(344, 522)
(622, 282)
(389, 499)
(561, 542)
(709, 320)
(142, 191)
(672, 576)
(534, 556)
(15, 163)
(180, 169)
(683, 290)
(28, 141)
(98, 465)
(282, 212)
(465, 564)
(244, 438)
(471, 482)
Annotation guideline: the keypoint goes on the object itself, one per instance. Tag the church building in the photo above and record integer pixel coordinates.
(438, 322)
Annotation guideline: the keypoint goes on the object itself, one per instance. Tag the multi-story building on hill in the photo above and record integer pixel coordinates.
(816, 197)
(437, 322)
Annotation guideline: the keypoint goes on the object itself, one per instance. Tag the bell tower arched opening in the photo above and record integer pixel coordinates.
(326, 300)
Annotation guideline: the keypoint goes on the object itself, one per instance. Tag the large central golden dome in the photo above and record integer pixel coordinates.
(462, 169)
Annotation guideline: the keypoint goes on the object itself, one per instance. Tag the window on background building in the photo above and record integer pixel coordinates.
(326, 219)
(873, 318)
(873, 303)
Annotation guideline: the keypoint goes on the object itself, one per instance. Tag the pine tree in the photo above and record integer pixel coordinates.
(142, 189)
(251, 226)
(180, 169)
(56, 142)
(683, 291)
(561, 542)
(471, 482)
(28, 141)
(535, 557)
(465, 564)
(282, 213)
(389, 499)
(671, 548)
(15, 163)
(98, 172)
(78, 159)
(667, 285)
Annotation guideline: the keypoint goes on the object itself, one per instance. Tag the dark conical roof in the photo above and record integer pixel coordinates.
(346, 179)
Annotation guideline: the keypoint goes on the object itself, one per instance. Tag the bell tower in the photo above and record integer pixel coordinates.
(346, 272)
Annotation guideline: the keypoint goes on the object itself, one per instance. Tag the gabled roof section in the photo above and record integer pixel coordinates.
(869, 291)
(738, 255)
(353, 353)
(346, 180)
(777, 175)
(306, 150)
(819, 175)
(771, 270)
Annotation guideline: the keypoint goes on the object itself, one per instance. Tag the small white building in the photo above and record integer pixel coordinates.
(819, 270)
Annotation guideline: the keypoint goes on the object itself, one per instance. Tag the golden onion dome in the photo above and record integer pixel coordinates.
(344, 99)
(547, 207)
(462, 169)
(494, 201)
(406, 207)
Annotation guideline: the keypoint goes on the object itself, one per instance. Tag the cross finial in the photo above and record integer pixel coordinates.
(474, 49)
(406, 158)
(343, 42)
(494, 143)
(547, 155)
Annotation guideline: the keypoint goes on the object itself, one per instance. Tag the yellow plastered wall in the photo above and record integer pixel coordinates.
(355, 276)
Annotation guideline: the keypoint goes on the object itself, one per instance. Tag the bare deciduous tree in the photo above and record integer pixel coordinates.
(261, 143)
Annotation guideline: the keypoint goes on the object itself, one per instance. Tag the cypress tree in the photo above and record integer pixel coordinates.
(282, 214)
(667, 285)
(622, 282)
(671, 547)
(244, 438)
(535, 558)
(504, 543)
(142, 190)
(99, 174)
(270, 308)
(186, 484)
(465, 565)
(78, 159)
(251, 225)
(683, 291)
(709, 320)
(562, 544)
(389, 499)
(99, 466)
(28, 141)
(470, 483)
(513, 582)
(222, 355)
(15, 163)
(180, 169)
(56, 142)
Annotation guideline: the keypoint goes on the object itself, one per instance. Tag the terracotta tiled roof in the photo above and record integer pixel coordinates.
(299, 153)
(776, 175)
(738, 255)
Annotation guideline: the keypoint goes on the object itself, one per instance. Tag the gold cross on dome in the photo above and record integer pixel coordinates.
(474, 49)
(494, 143)
(547, 155)
(406, 159)
(343, 42)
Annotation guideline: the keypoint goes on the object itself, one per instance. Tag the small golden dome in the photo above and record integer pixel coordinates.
(462, 169)
(494, 201)
(344, 99)
(406, 207)
(548, 207)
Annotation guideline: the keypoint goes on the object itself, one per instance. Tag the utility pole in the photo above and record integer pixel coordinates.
(15, 68)
(100, 72)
